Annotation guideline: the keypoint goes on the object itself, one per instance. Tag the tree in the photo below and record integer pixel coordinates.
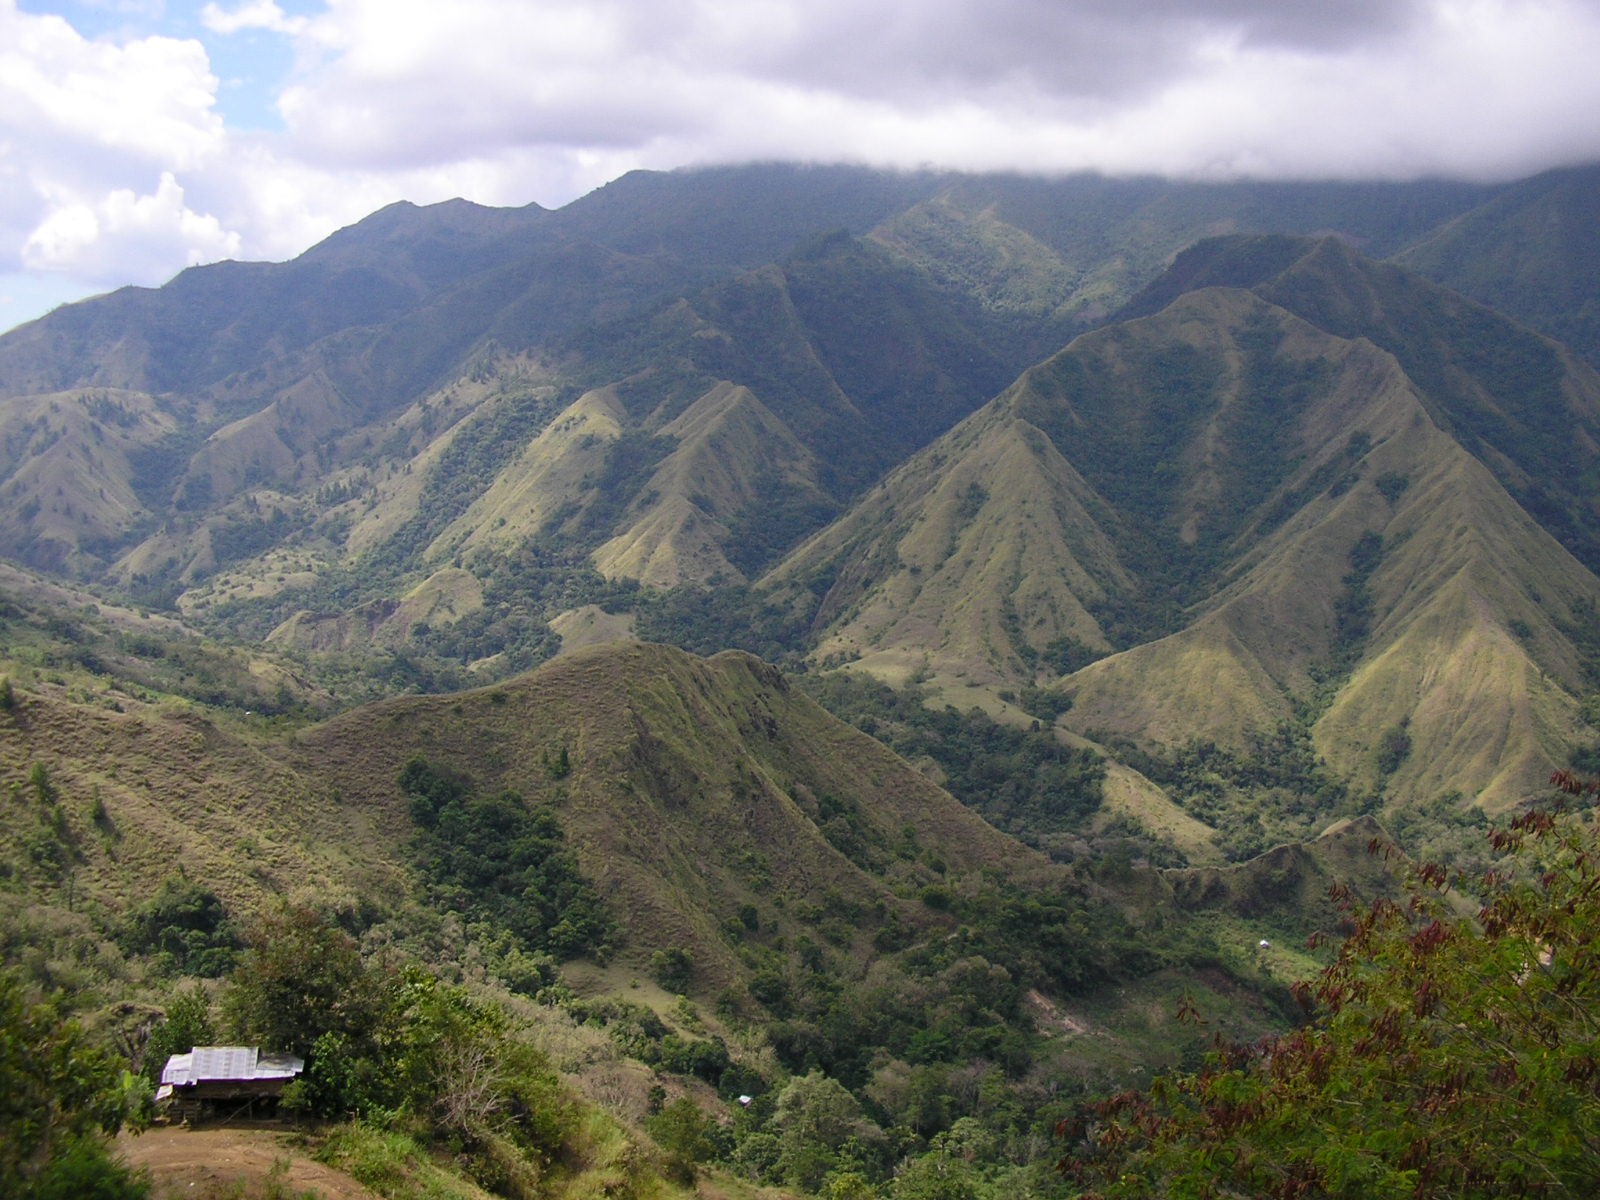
(672, 968)
(60, 1098)
(687, 1137)
(186, 928)
(1449, 1057)
(301, 978)
(458, 1066)
(821, 1128)
(187, 1024)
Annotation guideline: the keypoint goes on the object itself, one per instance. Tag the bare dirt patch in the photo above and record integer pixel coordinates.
(1051, 1014)
(228, 1161)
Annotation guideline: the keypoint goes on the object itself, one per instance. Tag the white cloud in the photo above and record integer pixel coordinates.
(253, 14)
(126, 237)
(148, 100)
(507, 101)
(1213, 87)
(82, 124)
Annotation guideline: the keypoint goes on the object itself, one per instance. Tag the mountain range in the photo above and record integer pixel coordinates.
(937, 624)
(1195, 467)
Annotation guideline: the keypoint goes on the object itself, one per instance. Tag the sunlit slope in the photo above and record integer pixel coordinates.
(730, 456)
(695, 786)
(1280, 519)
(977, 552)
(438, 602)
(160, 789)
(545, 480)
(1525, 406)
(68, 475)
(1471, 647)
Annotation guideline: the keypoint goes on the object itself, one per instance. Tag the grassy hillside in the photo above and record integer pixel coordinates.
(1221, 525)
(1173, 613)
(340, 373)
(820, 901)
(1532, 251)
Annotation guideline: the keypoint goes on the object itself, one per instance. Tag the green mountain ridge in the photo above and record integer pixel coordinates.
(1296, 547)
(407, 457)
(1532, 250)
(1221, 466)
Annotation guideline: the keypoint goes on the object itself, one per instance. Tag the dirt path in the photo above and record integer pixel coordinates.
(205, 1163)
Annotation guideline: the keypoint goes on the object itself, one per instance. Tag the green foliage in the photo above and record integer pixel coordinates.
(821, 1128)
(1448, 830)
(343, 1076)
(687, 1136)
(468, 463)
(558, 765)
(447, 1065)
(187, 1024)
(970, 503)
(60, 1096)
(672, 968)
(499, 861)
(301, 978)
(44, 791)
(630, 461)
(392, 1163)
(8, 695)
(1044, 703)
(639, 1033)
(457, 1063)
(1023, 781)
(185, 927)
(730, 616)
(1277, 789)
(952, 998)
(1393, 748)
(940, 1175)
(1261, 439)
(83, 1168)
(1067, 654)
(431, 788)
(1448, 1058)
(1353, 608)
(759, 533)
(1392, 485)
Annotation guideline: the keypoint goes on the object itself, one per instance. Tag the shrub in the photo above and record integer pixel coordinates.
(1450, 1058)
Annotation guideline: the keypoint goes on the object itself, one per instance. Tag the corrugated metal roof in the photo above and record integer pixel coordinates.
(228, 1063)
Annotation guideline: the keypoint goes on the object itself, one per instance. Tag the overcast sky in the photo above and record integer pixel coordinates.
(141, 136)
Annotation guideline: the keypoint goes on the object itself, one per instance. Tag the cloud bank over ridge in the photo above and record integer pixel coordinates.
(141, 136)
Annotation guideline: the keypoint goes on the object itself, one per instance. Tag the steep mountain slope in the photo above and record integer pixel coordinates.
(350, 368)
(412, 451)
(1520, 403)
(733, 457)
(1532, 251)
(1279, 514)
(694, 787)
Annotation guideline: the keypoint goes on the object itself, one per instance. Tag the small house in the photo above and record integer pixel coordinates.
(237, 1078)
